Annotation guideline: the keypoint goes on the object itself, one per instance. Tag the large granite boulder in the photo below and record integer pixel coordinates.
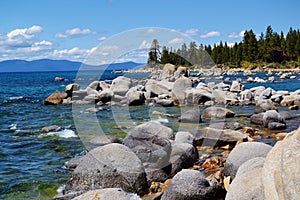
(236, 86)
(180, 86)
(121, 85)
(156, 88)
(113, 165)
(108, 194)
(242, 153)
(167, 71)
(273, 120)
(264, 105)
(190, 116)
(280, 174)
(150, 142)
(135, 97)
(197, 96)
(217, 112)
(55, 98)
(190, 185)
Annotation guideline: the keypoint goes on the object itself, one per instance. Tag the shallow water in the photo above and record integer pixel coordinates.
(31, 162)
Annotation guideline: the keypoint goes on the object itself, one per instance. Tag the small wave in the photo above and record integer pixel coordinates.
(66, 133)
(13, 127)
(160, 120)
(16, 98)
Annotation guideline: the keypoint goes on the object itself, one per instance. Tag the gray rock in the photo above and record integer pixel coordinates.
(108, 194)
(219, 96)
(217, 112)
(95, 85)
(264, 105)
(281, 169)
(266, 94)
(113, 165)
(236, 87)
(276, 126)
(51, 128)
(135, 97)
(222, 86)
(165, 102)
(190, 116)
(246, 95)
(181, 71)
(277, 98)
(257, 162)
(184, 137)
(190, 185)
(73, 163)
(242, 153)
(167, 71)
(257, 119)
(272, 116)
(79, 94)
(247, 186)
(178, 91)
(105, 95)
(197, 96)
(121, 85)
(183, 155)
(150, 142)
(158, 87)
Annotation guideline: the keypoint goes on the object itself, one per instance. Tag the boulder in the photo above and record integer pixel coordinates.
(51, 128)
(246, 95)
(281, 169)
(264, 105)
(165, 102)
(217, 112)
(257, 119)
(242, 153)
(55, 98)
(247, 186)
(73, 163)
(272, 116)
(108, 194)
(222, 86)
(59, 79)
(121, 85)
(236, 87)
(158, 87)
(72, 87)
(181, 71)
(135, 97)
(183, 155)
(95, 85)
(219, 95)
(178, 91)
(150, 142)
(79, 94)
(218, 137)
(277, 98)
(197, 96)
(184, 137)
(190, 185)
(276, 126)
(254, 163)
(167, 71)
(110, 166)
(266, 94)
(105, 95)
(190, 116)
(288, 100)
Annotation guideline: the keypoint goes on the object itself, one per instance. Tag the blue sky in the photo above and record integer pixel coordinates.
(57, 29)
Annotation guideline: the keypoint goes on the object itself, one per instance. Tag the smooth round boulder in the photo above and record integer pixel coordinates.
(242, 153)
(272, 116)
(190, 185)
(107, 194)
(167, 71)
(184, 137)
(217, 112)
(190, 116)
(281, 169)
(180, 86)
(55, 98)
(120, 85)
(110, 166)
(257, 162)
(264, 105)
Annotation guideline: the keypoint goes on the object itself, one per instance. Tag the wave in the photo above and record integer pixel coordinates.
(16, 98)
(66, 133)
(13, 127)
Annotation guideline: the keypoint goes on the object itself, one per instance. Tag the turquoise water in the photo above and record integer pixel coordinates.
(31, 162)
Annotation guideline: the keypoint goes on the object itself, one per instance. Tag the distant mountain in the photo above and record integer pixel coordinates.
(60, 65)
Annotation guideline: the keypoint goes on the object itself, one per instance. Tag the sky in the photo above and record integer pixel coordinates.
(72, 30)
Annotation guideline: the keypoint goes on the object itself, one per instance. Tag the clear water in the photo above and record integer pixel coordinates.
(31, 162)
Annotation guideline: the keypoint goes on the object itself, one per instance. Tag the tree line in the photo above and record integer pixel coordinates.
(269, 47)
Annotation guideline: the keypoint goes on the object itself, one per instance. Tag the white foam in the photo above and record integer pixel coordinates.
(13, 127)
(66, 133)
(160, 120)
(60, 189)
(16, 98)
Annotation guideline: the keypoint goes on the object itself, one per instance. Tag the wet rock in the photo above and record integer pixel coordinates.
(190, 185)
(121, 85)
(281, 169)
(190, 116)
(51, 128)
(242, 153)
(264, 105)
(113, 165)
(286, 115)
(271, 116)
(55, 98)
(108, 194)
(150, 142)
(276, 126)
(217, 112)
(178, 91)
(257, 119)
(183, 155)
(218, 137)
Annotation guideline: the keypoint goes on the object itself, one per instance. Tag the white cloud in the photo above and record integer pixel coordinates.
(102, 38)
(192, 32)
(145, 45)
(74, 32)
(237, 35)
(27, 33)
(176, 41)
(230, 44)
(151, 30)
(210, 34)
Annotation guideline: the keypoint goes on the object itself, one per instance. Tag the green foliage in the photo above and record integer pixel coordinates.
(270, 47)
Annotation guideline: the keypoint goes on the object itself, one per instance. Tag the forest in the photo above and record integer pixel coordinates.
(253, 50)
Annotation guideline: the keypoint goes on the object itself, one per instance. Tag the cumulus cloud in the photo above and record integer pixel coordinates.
(145, 45)
(74, 32)
(237, 35)
(176, 41)
(210, 34)
(192, 32)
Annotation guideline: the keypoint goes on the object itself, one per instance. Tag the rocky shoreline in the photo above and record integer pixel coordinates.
(215, 162)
